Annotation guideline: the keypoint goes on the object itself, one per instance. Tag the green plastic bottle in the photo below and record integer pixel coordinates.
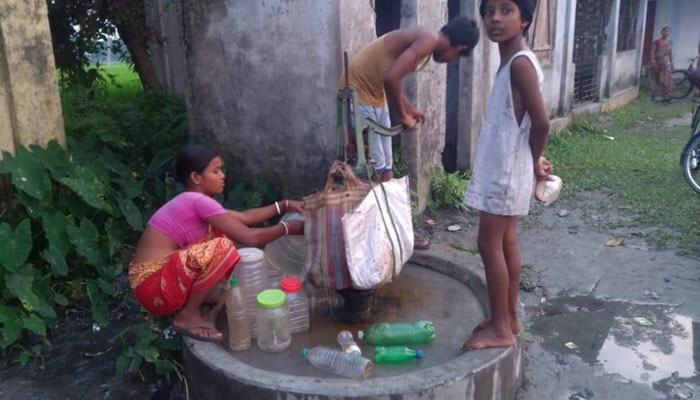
(395, 333)
(395, 354)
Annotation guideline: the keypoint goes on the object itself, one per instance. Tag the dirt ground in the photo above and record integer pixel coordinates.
(580, 299)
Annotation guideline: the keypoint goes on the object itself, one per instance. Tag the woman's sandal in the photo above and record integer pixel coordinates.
(187, 331)
(421, 244)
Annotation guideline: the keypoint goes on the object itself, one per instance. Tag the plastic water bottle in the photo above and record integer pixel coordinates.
(547, 191)
(394, 333)
(237, 317)
(250, 272)
(338, 362)
(274, 276)
(347, 343)
(395, 354)
(297, 304)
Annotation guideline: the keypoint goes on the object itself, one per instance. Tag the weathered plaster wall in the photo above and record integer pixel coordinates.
(426, 89)
(261, 84)
(682, 16)
(357, 25)
(30, 106)
(166, 45)
(626, 71)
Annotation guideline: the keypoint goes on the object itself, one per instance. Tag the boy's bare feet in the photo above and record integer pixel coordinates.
(515, 326)
(490, 336)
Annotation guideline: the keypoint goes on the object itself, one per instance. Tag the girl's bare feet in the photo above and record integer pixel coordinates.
(515, 326)
(490, 336)
(196, 325)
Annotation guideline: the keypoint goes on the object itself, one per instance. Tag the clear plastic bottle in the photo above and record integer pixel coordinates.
(297, 304)
(547, 191)
(395, 333)
(274, 276)
(347, 343)
(339, 362)
(395, 354)
(250, 271)
(273, 321)
(237, 317)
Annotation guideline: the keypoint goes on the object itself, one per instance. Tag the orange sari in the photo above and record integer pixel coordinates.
(163, 286)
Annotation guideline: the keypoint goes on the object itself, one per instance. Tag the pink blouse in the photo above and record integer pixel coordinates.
(184, 218)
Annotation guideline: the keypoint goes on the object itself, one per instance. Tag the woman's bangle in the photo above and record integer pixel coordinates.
(277, 206)
(286, 228)
(286, 205)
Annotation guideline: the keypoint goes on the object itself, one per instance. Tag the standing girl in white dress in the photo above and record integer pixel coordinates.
(508, 162)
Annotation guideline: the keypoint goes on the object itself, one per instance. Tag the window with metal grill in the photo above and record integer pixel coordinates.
(627, 26)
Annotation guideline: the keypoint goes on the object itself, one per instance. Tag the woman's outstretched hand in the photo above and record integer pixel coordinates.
(294, 205)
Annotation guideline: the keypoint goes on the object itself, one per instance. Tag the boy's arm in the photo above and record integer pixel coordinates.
(404, 65)
(526, 82)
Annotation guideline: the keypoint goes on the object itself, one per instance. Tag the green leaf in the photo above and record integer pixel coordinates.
(53, 157)
(20, 281)
(35, 208)
(85, 240)
(115, 235)
(35, 324)
(10, 332)
(27, 174)
(86, 184)
(163, 367)
(23, 358)
(30, 301)
(135, 364)
(46, 311)
(149, 353)
(60, 299)
(122, 362)
(108, 288)
(131, 213)
(7, 314)
(57, 261)
(100, 313)
(55, 232)
(15, 245)
(159, 164)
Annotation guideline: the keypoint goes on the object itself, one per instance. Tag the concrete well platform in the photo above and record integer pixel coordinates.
(431, 287)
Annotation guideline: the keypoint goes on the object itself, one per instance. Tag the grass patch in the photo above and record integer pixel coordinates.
(121, 77)
(641, 166)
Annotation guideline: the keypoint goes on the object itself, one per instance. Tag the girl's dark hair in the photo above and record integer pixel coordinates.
(526, 7)
(194, 157)
(462, 31)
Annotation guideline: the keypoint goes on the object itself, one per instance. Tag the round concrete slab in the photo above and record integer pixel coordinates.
(430, 287)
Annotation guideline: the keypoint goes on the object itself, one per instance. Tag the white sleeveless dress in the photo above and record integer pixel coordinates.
(503, 178)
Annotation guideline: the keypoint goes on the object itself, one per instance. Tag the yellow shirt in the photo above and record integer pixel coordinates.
(366, 72)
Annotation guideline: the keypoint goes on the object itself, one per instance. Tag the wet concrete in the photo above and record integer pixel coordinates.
(432, 287)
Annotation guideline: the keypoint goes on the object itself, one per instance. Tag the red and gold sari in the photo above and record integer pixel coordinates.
(661, 82)
(163, 286)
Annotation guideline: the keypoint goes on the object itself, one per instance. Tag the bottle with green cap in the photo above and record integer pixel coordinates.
(396, 333)
(338, 362)
(237, 318)
(395, 354)
(273, 321)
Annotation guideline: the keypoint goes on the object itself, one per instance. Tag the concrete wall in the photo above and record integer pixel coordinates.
(682, 16)
(166, 45)
(426, 89)
(30, 106)
(261, 84)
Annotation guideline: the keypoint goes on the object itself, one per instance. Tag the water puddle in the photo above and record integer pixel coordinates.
(649, 344)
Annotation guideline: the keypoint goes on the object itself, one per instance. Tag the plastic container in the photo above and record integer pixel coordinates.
(237, 318)
(347, 343)
(394, 333)
(395, 354)
(273, 321)
(547, 191)
(338, 362)
(297, 304)
(288, 253)
(250, 271)
(273, 275)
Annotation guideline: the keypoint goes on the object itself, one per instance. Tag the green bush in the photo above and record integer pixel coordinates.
(447, 189)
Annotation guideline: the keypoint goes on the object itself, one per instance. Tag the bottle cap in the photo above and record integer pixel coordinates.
(233, 281)
(271, 298)
(304, 352)
(360, 334)
(251, 254)
(290, 284)
(419, 354)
